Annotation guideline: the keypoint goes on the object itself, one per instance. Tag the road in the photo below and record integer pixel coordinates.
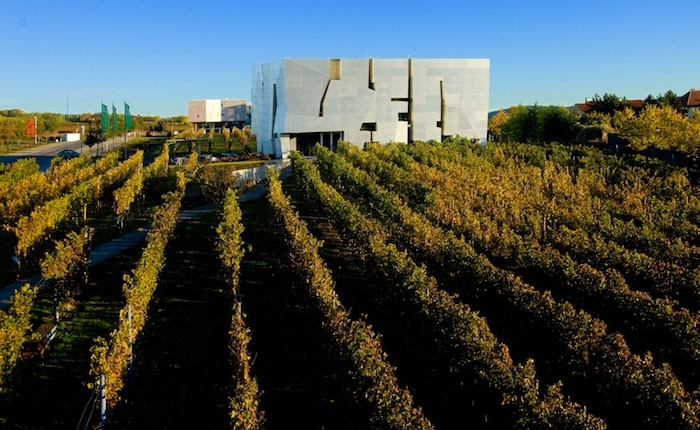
(45, 153)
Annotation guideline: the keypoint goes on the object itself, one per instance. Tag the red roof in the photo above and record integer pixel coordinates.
(583, 107)
(635, 104)
(690, 99)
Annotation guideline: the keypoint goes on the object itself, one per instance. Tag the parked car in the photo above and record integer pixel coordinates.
(68, 154)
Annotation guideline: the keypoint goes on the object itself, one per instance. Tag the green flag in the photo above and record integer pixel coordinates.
(105, 118)
(127, 117)
(115, 120)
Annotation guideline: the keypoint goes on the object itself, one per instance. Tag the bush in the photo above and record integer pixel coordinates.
(216, 180)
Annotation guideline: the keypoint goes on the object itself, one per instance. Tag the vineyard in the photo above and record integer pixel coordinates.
(401, 286)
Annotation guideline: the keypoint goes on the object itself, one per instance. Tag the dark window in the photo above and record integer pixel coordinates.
(403, 116)
(368, 126)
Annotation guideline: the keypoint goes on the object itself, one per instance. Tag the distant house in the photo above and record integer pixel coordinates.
(70, 137)
(691, 102)
(581, 109)
(218, 113)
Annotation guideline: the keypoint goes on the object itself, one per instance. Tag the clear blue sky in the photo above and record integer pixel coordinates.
(71, 56)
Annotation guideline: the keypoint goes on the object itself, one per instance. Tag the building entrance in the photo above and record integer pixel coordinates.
(305, 142)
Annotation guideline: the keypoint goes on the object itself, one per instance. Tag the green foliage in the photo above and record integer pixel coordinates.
(14, 324)
(179, 119)
(11, 128)
(191, 165)
(608, 104)
(159, 167)
(356, 342)
(659, 127)
(49, 121)
(468, 180)
(68, 257)
(86, 187)
(93, 136)
(126, 195)
(110, 357)
(244, 136)
(66, 266)
(14, 172)
(216, 181)
(496, 123)
(244, 406)
(669, 99)
(133, 188)
(457, 329)
(230, 244)
(226, 134)
(604, 293)
(539, 123)
(10, 113)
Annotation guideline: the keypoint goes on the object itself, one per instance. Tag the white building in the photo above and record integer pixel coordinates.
(218, 113)
(70, 137)
(299, 102)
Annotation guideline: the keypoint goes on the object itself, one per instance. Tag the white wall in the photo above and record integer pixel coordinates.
(349, 102)
(70, 137)
(199, 111)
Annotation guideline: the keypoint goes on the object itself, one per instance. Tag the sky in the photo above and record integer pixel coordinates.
(71, 56)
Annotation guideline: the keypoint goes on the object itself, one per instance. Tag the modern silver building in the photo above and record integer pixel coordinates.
(299, 102)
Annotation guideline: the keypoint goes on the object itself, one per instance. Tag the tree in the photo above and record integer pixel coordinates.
(180, 119)
(521, 124)
(539, 123)
(30, 128)
(199, 133)
(186, 133)
(608, 104)
(11, 128)
(668, 99)
(51, 121)
(555, 124)
(12, 112)
(693, 132)
(495, 125)
(659, 127)
(93, 135)
(211, 135)
(226, 133)
(243, 135)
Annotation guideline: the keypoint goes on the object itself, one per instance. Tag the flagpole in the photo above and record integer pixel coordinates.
(127, 127)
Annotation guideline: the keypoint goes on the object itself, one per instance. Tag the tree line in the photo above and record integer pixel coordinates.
(16, 124)
(656, 123)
